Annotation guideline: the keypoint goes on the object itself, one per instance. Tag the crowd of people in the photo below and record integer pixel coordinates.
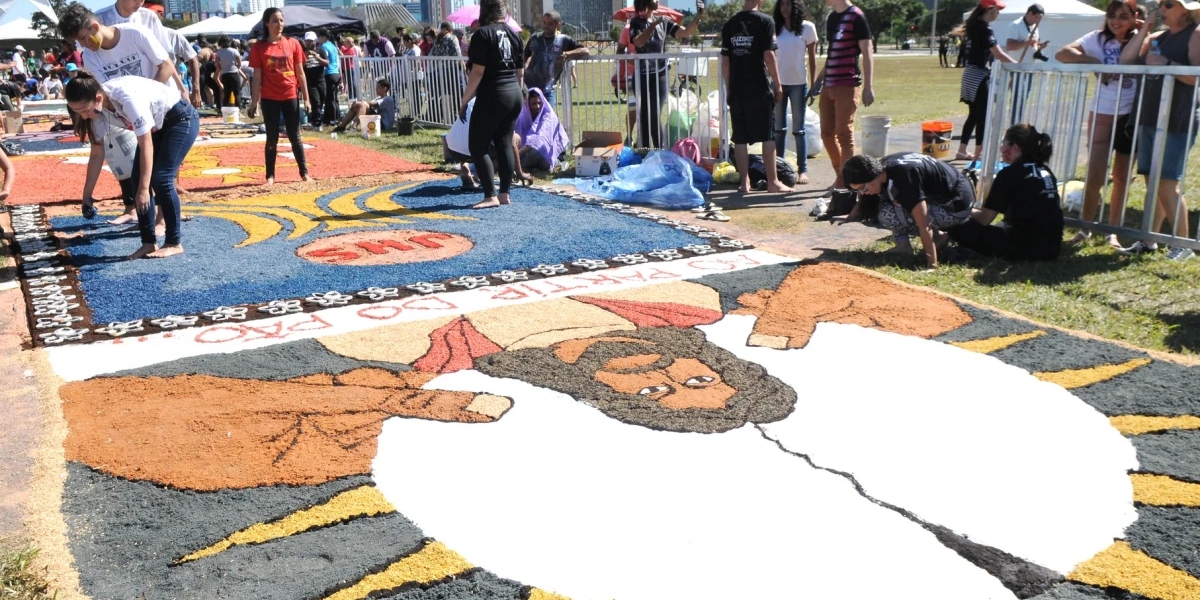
(129, 81)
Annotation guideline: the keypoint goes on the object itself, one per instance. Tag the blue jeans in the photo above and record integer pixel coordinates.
(797, 96)
(171, 144)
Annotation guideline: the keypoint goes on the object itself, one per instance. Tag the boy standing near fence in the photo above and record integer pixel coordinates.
(753, 87)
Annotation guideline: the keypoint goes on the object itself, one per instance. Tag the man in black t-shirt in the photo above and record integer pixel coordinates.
(918, 195)
(753, 88)
(546, 54)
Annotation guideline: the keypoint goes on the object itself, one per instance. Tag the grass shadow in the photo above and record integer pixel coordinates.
(1184, 331)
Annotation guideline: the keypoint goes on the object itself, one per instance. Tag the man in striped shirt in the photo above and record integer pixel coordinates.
(839, 82)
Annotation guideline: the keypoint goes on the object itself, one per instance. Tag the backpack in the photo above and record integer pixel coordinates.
(758, 171)
(688, 149)
(621, 79)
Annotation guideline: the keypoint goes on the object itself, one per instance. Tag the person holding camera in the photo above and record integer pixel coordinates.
(1026, 45)
(649, 33)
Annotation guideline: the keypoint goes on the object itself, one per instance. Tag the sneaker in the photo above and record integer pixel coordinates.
(819, 208)
(1179, 253)
(1139, 248)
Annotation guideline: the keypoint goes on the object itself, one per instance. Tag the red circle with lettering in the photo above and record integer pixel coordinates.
(387, 247)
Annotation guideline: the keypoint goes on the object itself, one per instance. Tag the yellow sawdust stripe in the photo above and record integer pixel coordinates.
(347, 203)
(993, 344)
(301, 222)
(258, 229)
(365, 501)
(1121, 566)
(432, 563)
(1077, 378)
(1161, 490)
(536, 594)
(1139, 424)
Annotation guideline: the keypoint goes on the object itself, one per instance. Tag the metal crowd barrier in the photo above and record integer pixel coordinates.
(429, 89)
(1058, 99)
(607, 92)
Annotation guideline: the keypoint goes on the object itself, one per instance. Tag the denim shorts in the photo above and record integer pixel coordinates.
(1174, 157)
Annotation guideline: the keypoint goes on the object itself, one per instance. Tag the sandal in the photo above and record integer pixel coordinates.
(960, 155)
(803, 179)
(1079, 238)
(715, 215)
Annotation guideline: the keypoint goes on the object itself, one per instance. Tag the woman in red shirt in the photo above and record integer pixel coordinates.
(279, 83)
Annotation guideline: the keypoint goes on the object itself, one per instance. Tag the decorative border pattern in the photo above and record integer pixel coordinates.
(58, 313)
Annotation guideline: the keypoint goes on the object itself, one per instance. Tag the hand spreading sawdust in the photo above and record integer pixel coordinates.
(202, 432)
(832, 293)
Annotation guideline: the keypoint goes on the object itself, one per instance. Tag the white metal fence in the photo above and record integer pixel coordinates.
(598, 93)
(1058, 99)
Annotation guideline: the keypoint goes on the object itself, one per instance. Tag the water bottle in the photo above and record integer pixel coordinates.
(1154, 50)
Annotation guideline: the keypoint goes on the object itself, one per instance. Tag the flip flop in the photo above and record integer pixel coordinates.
(714, 216)
(706, 207)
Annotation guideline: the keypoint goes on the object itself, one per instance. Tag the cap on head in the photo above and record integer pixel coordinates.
(310, 36)
(20, 48)
(993, 4)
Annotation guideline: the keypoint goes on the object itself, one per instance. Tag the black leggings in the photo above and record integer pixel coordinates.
(333, 113)
(290, 109)
(233, 89)
(316, 94)
(492, 123)
(976, 117)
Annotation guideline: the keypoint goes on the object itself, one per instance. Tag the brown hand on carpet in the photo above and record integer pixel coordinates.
(832, 293)
(202, 432)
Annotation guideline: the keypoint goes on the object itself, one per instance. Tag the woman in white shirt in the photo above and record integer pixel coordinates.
(797, 40)
(1113, 106)
(165, 126)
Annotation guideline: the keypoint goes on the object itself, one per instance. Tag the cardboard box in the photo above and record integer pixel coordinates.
(596, 149)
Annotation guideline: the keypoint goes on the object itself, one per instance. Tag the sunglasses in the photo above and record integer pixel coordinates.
(1168, 4)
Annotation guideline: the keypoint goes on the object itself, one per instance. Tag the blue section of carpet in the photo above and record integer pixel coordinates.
(537, 228)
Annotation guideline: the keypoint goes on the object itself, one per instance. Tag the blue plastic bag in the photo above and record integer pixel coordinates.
(663, 179)
(628, 157)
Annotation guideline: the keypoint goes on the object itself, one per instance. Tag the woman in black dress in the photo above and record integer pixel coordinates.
(496, 64)
(980, 48)
(1026, 192)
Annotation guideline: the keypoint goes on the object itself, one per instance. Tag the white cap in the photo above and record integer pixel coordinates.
(20, 48)
(310, 35)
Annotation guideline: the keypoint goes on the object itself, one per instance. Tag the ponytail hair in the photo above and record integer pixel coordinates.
(83, 87)
(1036, 147)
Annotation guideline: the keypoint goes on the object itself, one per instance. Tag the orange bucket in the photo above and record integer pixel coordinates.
(935, 138)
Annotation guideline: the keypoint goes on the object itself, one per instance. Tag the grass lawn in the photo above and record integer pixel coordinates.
(912, 89)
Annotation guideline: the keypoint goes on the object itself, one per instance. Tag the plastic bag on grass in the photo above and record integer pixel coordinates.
(663, 179)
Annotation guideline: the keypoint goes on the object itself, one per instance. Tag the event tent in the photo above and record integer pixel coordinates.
(18, 31)
(298, 19)
(1065, 21)
(14, 10)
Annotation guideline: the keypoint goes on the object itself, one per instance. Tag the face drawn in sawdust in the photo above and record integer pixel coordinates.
(666, 378)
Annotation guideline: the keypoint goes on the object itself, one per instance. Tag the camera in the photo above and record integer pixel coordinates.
(1039, 55)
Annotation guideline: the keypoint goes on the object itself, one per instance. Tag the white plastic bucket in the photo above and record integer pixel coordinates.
(231, 114)
(14, 122)
(369, 125)
(875, 135)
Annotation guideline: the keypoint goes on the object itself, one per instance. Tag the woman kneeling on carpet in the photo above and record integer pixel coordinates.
(1027, 193)
(165, 125)
(918, 195)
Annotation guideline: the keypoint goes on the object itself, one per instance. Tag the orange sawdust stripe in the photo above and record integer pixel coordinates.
(994, 344)
(1077, 378)
(432, 563)
(365, 501)
(1120, 566)
(1139, 424)
(1161, 490)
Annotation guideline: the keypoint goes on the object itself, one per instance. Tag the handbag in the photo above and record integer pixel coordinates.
(120, 148)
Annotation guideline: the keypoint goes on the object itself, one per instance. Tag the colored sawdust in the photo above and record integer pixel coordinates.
(994, 344)
(207, 167)
(1120, 566)
(1139, 424)
(166, 429)
(432, 563)
(1077, 378)
(1160, 490)
(833, 293)
(359, 502)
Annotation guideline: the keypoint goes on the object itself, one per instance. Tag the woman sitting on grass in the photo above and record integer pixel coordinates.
(542, 138)
(1027, 193)
(165, 124)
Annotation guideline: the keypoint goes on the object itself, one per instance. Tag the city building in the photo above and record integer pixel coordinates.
(256, 7)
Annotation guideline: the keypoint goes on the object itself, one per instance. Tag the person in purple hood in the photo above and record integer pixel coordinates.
(540, 137)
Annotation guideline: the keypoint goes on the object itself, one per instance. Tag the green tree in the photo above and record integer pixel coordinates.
(46, 29)
(949, 16)
(882, 15)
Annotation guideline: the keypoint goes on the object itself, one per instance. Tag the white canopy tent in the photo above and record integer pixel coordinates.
(231, 25)
(18, 30)
(1065, 21)
(13, 10)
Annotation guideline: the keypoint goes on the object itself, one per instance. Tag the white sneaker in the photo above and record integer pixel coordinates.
(1180, 253)
(1139, 247)
(819, 209)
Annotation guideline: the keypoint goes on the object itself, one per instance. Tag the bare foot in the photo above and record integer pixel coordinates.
(166, 251)
(503, 198)
(144, 251)
(490, 203)
(744, 188)
(270, 182)
(128, 217)
(306, 178)
(778, 188)
(803, 180)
